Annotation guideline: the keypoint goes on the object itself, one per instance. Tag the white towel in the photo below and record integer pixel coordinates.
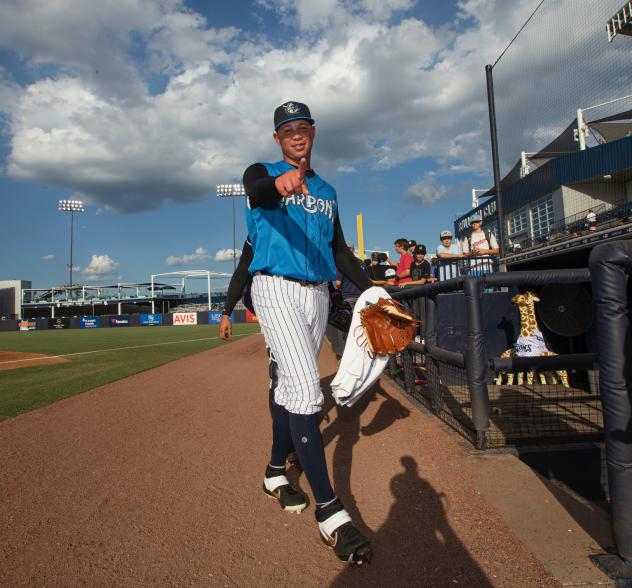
(357, 370)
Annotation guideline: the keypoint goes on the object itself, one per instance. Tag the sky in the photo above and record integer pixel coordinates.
(140, 108)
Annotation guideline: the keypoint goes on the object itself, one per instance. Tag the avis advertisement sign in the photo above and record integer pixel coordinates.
(215, 316)
(27, 325)
(90, 322)
(150, 319)
(250, 317)
(184, 318)
(120, 320)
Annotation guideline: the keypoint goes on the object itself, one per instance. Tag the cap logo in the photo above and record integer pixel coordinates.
(291, 108)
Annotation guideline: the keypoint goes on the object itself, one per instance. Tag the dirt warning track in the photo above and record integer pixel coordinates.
(155, 480)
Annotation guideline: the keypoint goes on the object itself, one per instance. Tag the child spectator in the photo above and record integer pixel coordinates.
(420, 269)
(449, 250)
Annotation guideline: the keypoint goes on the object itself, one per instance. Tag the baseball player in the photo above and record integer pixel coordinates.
(297, 241)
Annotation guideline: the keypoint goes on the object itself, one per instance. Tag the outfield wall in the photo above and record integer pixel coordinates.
(126, 320)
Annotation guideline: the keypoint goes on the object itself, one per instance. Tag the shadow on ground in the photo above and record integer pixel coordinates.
(416, 545)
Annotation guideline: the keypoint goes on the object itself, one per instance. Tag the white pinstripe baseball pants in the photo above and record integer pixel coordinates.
(293, 319)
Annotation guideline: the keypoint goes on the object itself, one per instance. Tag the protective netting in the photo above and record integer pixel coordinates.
(521, 413)
(544, 410)
(560, 61)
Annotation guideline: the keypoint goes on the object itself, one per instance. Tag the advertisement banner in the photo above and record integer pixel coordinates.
(90, 322)
(27, 325)
(120, 320)
(150, 319)
(59, 323)
(184, 318)
(250, 317)
(215, 316)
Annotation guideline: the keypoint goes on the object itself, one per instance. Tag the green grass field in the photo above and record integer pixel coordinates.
(100, 356)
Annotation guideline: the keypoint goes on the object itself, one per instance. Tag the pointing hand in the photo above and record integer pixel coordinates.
(293, 181)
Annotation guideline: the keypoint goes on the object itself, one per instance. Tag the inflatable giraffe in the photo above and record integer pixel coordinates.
(530, 342)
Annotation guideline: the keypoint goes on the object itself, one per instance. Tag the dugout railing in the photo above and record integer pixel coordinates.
(471, 388)
(610, 267)
(466, 266)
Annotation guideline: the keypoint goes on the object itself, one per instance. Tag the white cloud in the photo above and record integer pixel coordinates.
(426, 192)
(346, 169)
(48, 257)
(382, 91)
(227, 254)
(309, 15)
(101, 267)
(199, 255)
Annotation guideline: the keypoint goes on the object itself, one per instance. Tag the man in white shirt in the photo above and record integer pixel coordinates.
(591, 220)
(481, 245)
(448, 250)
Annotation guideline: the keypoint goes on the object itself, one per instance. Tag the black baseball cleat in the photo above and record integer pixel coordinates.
(338, 533)
(276, 485)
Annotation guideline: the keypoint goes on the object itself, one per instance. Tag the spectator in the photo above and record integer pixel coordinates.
(481, 244)
(420, 269)
(391, 276)
(376, 269)
(449, 250)
(591, 220)
(405, 260)
(411, 247)
(434, 272)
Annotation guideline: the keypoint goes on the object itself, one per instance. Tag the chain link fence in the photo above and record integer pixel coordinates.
(497, 399)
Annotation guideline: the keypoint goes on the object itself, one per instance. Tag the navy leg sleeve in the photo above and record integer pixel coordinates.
(308, 443)
(281, 436)
(273, 368)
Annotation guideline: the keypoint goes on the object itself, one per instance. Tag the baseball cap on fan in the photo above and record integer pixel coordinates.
(291, 111)
(420, 249)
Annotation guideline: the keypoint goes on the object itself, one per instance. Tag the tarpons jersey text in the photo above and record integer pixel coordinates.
(311, 204)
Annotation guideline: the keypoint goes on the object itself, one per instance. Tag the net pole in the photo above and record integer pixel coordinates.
(581, 130)
(495, 163)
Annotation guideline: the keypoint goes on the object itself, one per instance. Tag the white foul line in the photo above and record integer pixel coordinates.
(117, 349)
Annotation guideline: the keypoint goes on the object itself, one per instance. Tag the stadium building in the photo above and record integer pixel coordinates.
(19, 301)
(555, 213)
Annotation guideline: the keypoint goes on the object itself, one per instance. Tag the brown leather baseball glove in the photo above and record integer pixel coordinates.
(388, 326)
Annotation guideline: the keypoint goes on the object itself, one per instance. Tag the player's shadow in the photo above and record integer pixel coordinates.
(345, 431)
(416, 545)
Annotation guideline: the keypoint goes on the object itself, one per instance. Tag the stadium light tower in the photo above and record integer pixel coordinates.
(71, 206)
(231, 191)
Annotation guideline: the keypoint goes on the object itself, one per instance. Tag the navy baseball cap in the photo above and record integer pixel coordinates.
(420, 249)
(291, 111)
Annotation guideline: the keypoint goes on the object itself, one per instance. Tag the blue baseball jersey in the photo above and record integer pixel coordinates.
(294, 236)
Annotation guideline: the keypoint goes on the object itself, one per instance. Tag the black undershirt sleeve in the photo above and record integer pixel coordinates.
(346, 262)
(259, 186)
(239, 280)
